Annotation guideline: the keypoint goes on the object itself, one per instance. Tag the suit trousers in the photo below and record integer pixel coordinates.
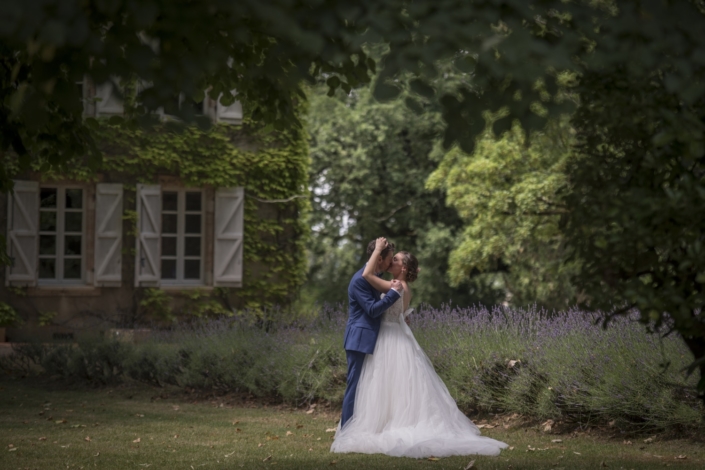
(355, 361)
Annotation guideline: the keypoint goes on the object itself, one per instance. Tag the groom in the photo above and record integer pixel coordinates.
(364, 316)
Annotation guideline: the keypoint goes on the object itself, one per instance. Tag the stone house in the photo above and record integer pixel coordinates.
(85, 253)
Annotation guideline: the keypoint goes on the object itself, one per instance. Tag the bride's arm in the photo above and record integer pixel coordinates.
(407, 295)
(378, 284)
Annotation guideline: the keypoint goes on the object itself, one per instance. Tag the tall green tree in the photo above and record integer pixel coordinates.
(508, 194)
(369, 165)
(635, 213)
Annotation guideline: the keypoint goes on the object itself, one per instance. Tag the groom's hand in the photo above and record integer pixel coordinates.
(397, 285)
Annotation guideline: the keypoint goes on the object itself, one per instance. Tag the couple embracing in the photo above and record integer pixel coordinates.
(395, 403)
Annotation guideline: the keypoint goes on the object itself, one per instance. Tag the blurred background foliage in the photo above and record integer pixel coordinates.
(369, 166)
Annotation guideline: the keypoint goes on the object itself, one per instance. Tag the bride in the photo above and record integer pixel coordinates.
(402, 407)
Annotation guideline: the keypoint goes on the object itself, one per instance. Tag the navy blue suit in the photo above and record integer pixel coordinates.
(364, 316)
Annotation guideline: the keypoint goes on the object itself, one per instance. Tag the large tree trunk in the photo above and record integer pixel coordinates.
(697, 347)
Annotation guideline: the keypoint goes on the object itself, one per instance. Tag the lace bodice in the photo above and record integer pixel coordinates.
(395, 311)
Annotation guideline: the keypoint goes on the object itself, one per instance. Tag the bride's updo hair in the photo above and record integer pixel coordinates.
(411, 264)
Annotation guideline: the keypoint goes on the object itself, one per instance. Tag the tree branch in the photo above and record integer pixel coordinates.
(273, 201)
(394, 211)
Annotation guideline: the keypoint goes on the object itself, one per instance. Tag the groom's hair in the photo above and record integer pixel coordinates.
(385, 252)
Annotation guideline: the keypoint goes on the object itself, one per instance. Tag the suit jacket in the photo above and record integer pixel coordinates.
(364, 314)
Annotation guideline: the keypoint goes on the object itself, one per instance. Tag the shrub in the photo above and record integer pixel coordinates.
(557, 365)
(8, 316)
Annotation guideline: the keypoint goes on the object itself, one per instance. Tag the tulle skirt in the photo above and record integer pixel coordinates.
(402, 407)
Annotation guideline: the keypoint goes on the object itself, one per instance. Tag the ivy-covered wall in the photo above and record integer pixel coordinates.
(271, 166)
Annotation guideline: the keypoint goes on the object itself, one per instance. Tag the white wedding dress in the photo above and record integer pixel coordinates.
(402, 407)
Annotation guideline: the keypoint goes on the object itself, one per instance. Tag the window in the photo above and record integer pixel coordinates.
(61, 239)
(182, 236)
(71, 235)
(106, 100)
(173, 235)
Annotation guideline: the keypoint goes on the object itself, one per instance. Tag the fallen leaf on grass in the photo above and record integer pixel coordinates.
(433, 459)
(231, 453)
(681, 457)
(289, 433)
(331, 429)
(469, 465)
(333, 462)
(310, 411)
(318, 439)
(627, 443)
(175, 407)
(533, 449)
(267, 458)
(138, 440)
(577, 453)
(87, 439)
(310, 449)
(139, 415)
(260, 444)
(511, 447)
(272, 438)
(299, 426)
(649, 440)
(42, 438)
(236, 422)
(62, 421)
(238, 430)
(13, 449)
(556, 441)
(78, 425)
(547, 425)
(96, 455)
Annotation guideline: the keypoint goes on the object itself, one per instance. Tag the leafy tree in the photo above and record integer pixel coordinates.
(511, 52)
(263, 49)
(508, 194)
(635, 211)
(369, 165)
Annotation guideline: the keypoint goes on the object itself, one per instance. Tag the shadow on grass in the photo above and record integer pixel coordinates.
(63, 425)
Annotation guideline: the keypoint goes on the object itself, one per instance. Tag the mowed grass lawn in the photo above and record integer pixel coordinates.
(45, 425)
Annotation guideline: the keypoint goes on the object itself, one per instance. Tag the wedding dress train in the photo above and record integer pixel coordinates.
(402, 407)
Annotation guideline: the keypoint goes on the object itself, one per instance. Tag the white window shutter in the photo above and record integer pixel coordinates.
(110, 103)
(149, 223)
(229, 223)
(229, 114)
(108, 235)
(22, 233)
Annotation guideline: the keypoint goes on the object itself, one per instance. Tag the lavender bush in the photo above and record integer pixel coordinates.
(561, 365)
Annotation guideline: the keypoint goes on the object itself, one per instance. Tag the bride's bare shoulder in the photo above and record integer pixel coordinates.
(406, 287)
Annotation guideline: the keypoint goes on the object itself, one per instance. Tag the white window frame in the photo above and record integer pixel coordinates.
(61, 234)
(181, 236)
